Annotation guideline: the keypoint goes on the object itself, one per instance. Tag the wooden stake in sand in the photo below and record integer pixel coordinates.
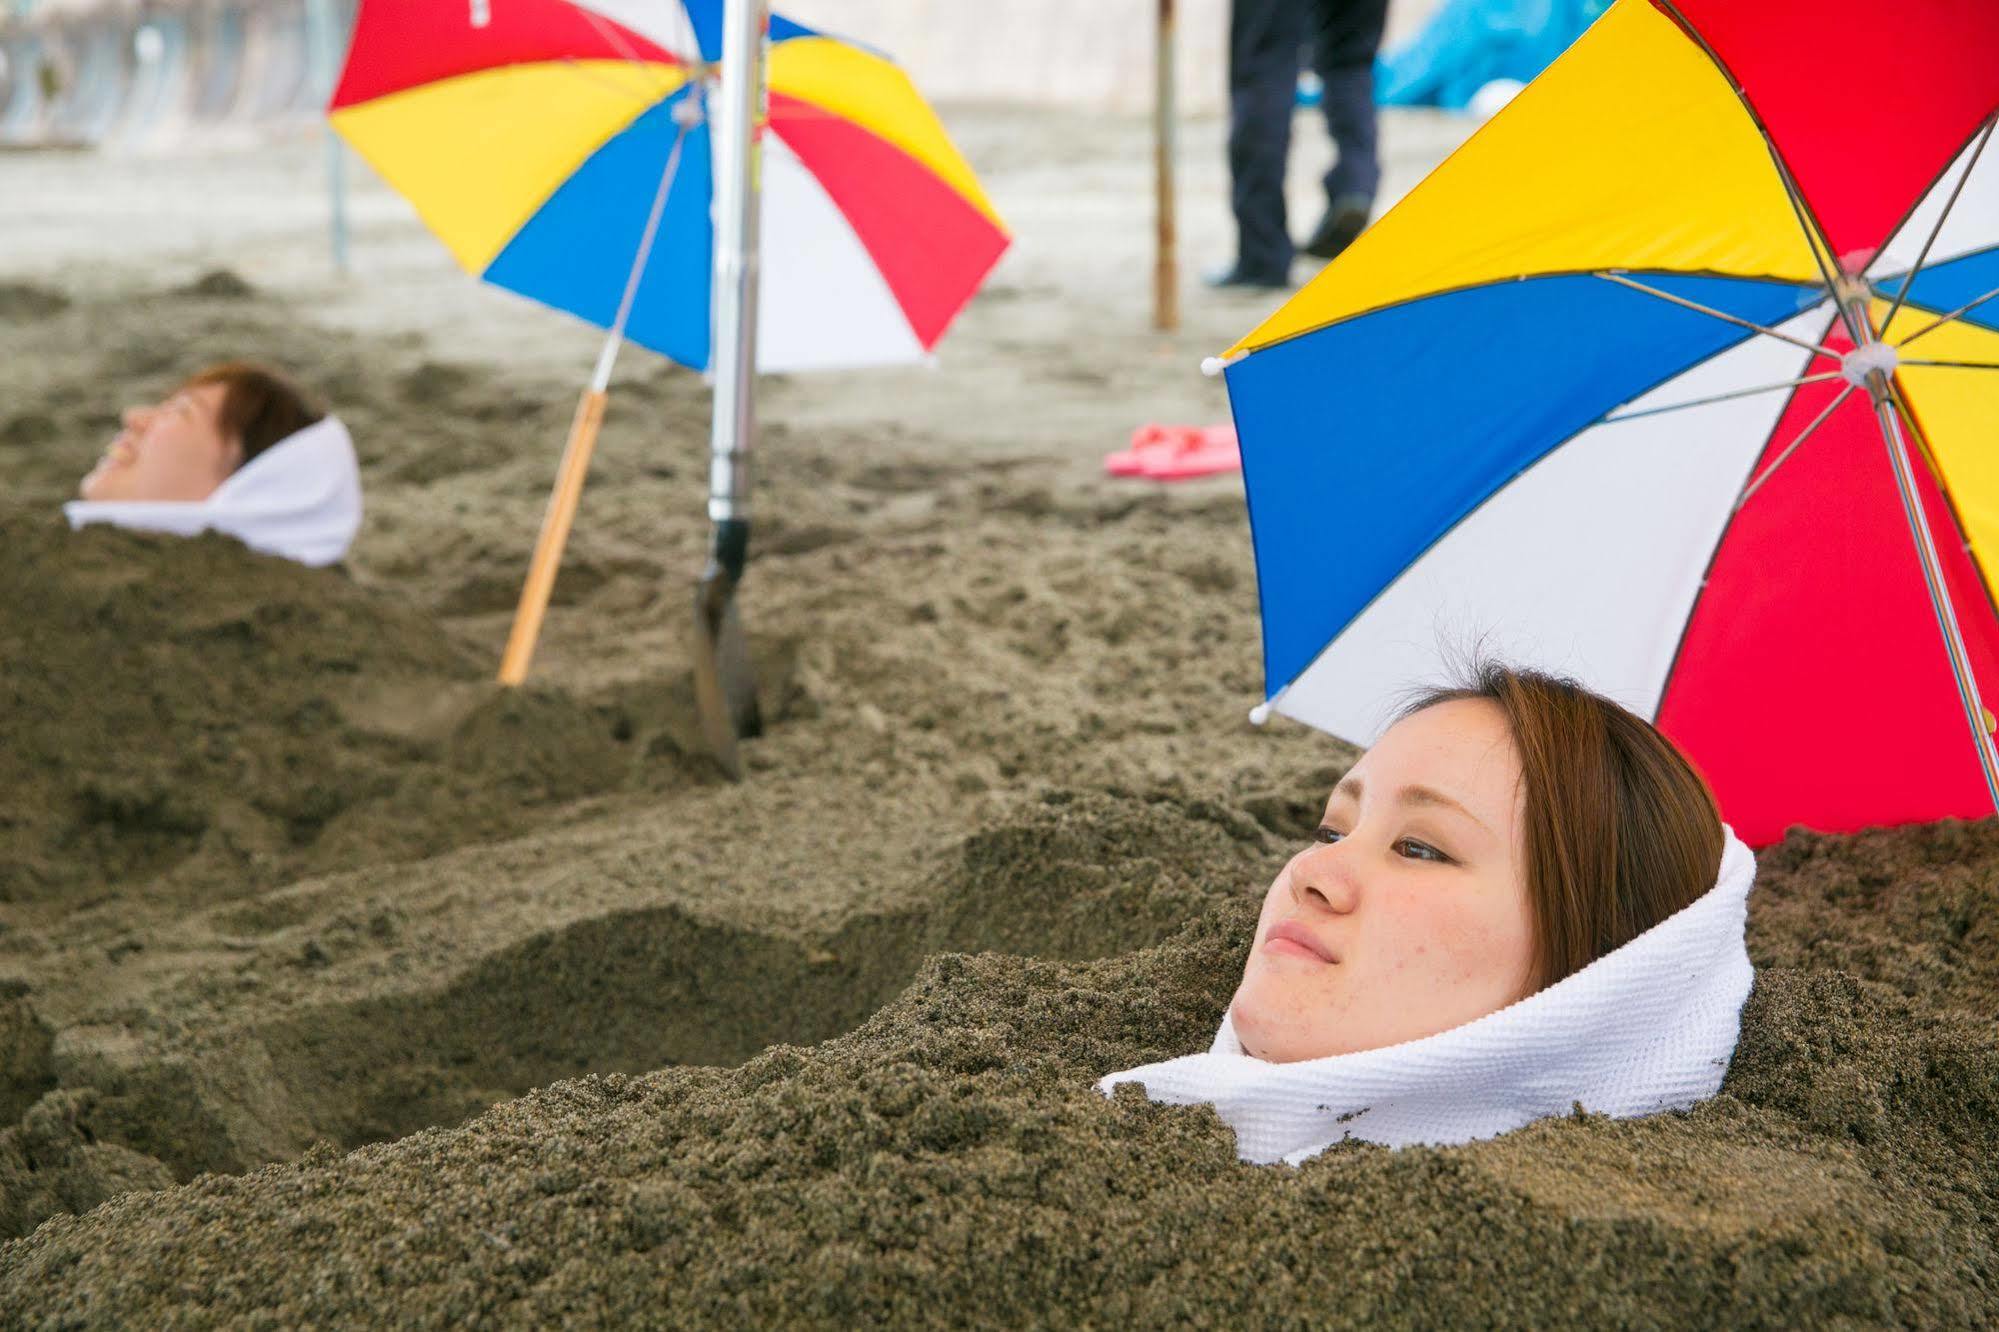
(575, 465)
(554, 535)
(1166, 268)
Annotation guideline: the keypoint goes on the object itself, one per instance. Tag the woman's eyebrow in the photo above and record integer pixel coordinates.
(1413, 795)
(1429, 795)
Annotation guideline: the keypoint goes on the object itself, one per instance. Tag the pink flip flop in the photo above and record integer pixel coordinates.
(1174, 453)
(1202, 451)
(1145, 442)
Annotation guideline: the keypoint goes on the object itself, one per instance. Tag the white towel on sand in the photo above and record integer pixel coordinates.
(300, 498)
(1649, 1027)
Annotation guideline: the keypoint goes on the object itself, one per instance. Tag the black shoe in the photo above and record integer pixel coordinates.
(1235, 275)
(1339, 228)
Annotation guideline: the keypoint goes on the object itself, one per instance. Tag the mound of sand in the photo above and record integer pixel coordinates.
(1082, 875)
(190, 726)
(949, 1163)
(192, 720)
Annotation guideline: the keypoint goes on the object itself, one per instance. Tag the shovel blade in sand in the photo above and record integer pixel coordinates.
(725, 691)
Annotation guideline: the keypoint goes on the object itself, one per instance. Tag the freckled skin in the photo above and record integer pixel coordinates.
(174, 450)
(1421, 945)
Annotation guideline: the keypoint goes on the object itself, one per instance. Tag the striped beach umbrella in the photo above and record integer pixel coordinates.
(532, 135)
(1681, 377)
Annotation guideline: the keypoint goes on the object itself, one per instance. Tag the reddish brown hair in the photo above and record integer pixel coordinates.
(260, 404)
(1620, 831)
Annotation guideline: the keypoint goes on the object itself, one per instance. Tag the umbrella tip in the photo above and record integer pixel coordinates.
(1214, 365)
(1259, 714)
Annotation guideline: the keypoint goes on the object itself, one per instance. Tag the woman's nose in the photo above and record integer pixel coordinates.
(1323, 880)
(135, 417)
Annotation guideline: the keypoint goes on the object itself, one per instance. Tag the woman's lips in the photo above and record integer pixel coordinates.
(118, 453)
(1294, 940)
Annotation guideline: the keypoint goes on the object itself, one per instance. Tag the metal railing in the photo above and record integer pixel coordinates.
(131, 73)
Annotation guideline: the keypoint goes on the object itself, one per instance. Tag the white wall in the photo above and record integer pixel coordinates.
(1096, 54)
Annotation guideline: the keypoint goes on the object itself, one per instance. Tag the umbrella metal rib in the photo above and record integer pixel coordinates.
(611, 34)
(1956, 365)
(1815, 238)
(1791, 448)
(696, 69)
(1951, 318)
(1819, 378)
(1909, 278)
(616, 337)
(685, 37)
(1722, 315)
(591, 72)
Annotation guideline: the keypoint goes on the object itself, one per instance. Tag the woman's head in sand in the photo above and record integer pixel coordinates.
(185, 446)
(1497, 838)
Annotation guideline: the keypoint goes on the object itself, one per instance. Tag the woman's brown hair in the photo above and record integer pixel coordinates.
(1620, 831)
(260, 404)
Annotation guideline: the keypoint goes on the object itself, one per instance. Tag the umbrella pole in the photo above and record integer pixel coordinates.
(724, 686)
(1166, 268)
(568, 491)
(1886, 415)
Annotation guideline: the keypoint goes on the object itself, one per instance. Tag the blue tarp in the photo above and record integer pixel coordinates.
(1469, 43)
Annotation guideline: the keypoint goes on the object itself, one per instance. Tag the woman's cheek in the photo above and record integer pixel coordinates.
(1457, 940)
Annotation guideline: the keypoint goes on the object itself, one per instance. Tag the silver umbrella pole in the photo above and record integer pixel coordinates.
(1876, 365)
(724, 685)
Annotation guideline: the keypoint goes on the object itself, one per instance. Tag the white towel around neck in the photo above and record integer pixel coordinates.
(300, 498)
(1649, 1027)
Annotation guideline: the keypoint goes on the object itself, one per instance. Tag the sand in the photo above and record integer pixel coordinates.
(948, 1163)
(422, 1000)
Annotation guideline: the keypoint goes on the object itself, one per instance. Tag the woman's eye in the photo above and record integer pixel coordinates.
(1412, 849)
(1327, 835)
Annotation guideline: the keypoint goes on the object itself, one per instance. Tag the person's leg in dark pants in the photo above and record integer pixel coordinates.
(1346, 34)
(1265, 37)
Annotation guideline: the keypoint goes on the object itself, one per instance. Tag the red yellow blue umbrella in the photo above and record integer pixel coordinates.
(531, 135)
(1680, 376)
(564, 151)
